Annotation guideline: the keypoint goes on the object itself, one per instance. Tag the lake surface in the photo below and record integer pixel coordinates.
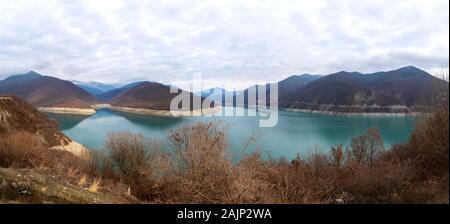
(295, 132)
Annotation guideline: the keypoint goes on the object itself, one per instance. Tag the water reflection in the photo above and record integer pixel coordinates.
(161, 122)
(67, 121)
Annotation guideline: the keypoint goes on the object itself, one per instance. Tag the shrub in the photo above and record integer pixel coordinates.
(365, 148)
(130, 154)
(21, 150)
(202, 162)
(430, 141)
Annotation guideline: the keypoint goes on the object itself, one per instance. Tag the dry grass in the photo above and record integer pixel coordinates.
(21, 150)
(83, 181)
(95, 186)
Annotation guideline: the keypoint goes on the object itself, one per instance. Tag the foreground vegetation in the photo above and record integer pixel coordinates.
(193, 166)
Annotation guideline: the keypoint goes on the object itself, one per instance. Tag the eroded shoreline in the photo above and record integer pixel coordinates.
(162, 113)
(66, 110)
(368, 114)
(209, 111)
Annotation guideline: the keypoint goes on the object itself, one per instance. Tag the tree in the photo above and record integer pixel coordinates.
(365, 148)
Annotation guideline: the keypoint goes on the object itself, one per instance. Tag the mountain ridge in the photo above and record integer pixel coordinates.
(374, 92)
(46, 91)
(401, 90)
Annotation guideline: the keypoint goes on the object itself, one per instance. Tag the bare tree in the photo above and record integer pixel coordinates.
(365, 148)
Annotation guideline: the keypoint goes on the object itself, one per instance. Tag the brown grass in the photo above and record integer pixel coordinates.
(21, 150)
(95, 186)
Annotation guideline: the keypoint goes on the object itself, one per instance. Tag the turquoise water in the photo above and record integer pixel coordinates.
(295, 132)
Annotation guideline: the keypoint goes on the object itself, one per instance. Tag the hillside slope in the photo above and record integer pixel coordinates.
(46, 91)
(17, 115)
(44, 186)
(111, 94)
(148, 95)
(285, 87)
(399, 91)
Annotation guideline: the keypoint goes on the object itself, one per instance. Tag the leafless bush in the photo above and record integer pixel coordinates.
(202, 161)
(252, 182)
(365, 148)
(130, 154)
(100, 164)
(21, 150)
(137, 161)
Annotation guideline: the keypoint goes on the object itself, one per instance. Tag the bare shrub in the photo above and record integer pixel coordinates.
(100, 164)
(202, 162)
(21, 150)
(138, 162)
(251, 182)
(130, 154)
(365, 148)
(430, 139)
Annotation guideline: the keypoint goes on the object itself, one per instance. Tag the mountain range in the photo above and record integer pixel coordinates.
(107, 96)
(95, 88)
(398, 91)
(403, 90)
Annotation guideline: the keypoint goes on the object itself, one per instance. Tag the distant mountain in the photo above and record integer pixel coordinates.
(18, 79)
(46, 91)
(285, 86)
(147, 95)
(94, 88)
(401, 90)
(294, 82)
(111, 94)
(218, 95)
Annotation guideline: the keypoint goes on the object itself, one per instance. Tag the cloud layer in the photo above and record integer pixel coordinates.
(120, 41)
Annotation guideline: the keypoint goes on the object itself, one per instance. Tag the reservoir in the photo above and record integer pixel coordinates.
(294, 133)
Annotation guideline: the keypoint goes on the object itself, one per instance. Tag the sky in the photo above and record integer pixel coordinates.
(252, 41)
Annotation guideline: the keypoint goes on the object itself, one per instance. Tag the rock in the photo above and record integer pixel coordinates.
(340, 201)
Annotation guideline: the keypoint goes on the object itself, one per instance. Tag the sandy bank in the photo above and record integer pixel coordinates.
(75, 148)
(66, 110)
(162, 113)
(100, 106)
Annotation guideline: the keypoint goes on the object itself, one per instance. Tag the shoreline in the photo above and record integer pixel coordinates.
(161, 113)
(67, 110)
(209, 111)
(75, 148)
(368, 114)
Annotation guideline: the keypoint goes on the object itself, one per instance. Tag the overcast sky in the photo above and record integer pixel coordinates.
(120, 41)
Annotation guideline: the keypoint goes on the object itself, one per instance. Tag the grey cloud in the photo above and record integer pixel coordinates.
(120, 41)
